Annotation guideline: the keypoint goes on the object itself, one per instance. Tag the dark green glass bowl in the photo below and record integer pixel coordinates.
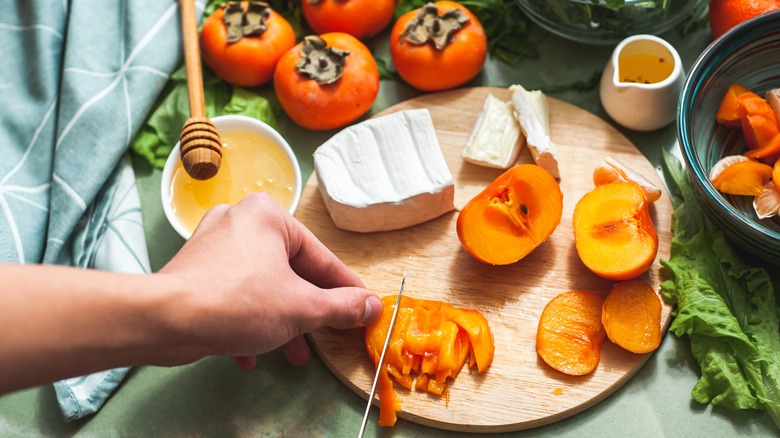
(748, 54)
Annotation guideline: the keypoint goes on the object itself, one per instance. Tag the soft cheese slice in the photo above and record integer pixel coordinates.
(385, 173)
(533, 114)
(495, 140)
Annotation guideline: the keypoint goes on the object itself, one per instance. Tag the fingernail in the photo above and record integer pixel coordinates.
(373, 309)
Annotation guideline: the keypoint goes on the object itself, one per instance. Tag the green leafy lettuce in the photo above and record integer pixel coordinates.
(159, 134)
(725, 306)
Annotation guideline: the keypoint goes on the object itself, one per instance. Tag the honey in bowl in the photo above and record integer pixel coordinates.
(251, 162)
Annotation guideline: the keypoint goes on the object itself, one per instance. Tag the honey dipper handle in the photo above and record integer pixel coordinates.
(192, 65)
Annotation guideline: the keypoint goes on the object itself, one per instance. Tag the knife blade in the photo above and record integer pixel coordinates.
(382, 357)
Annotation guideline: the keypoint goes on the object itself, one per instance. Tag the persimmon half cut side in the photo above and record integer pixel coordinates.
(613, 232)
(631, 315)
(570, 332)
(512, 216)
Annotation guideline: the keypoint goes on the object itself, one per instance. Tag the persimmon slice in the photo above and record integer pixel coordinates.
(570, 332)
(743, 178)
(613, 232)
(430, 343)
(729, 113)
(512, 216)
(631, 315)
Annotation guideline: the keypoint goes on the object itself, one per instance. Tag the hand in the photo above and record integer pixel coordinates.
(257, 279)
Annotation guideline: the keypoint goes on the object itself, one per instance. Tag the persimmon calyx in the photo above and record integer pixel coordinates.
(428, 25)
(240, 23)
(319, 62)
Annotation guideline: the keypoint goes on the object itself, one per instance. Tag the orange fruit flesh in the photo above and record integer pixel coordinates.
(614, 234)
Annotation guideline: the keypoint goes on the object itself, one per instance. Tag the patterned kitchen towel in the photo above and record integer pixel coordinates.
(77, 79)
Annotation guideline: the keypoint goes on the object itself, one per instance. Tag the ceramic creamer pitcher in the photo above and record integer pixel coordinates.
(642, 82)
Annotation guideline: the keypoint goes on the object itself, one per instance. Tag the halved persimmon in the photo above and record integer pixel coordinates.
(631, 315)
(570, 332)
(513, 215)
(613, 232)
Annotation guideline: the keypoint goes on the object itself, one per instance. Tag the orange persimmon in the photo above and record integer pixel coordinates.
(327, 81)
(359, 18)
(444, 59)
(430, 343)
(771, 149)
(512, 216)
(611, 170)
(570, 332)
(745, 178)
(631, 316)
(728, 112)
(249, 61)
(613, 232)
(776, 174)
(758, 120)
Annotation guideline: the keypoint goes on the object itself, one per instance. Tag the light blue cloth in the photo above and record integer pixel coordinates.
(77, 79)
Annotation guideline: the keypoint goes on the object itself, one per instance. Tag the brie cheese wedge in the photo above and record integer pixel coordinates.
(495, 140)
(532, 112)
(385, 173)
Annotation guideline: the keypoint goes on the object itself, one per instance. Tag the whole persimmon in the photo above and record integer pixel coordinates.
(439, 46)
(327, 81)
(512, 216)
(242, 42)
(359, 18)
(725, 14)
(613, 232)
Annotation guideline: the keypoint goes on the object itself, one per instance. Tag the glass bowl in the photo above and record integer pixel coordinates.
(588, 22)
(748, 54)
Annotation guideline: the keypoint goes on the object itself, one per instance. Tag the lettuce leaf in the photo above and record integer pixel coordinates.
(725, 306)
(157, 137)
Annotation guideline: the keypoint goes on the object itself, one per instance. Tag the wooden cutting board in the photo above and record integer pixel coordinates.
(519, 390)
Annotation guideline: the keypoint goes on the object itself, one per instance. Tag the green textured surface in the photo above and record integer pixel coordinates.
(213, 398)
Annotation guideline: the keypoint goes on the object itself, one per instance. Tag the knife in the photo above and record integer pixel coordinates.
(382, 357)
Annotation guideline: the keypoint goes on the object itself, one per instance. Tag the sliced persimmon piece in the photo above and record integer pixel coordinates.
(613, 232)
(570, 332)
(631, 315)
(724, 163)
(728, 112)
(776, 174)
(768, 150)
(745, 178)
(512, 216)
(757, 119)
(611, 170)
(767, 203)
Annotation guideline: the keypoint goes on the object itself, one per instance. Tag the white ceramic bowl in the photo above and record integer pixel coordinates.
(227, 124)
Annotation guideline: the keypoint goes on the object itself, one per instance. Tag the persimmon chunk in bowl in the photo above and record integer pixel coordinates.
(746, 55)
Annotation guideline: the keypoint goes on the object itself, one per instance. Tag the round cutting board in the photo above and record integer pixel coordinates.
(519, 390)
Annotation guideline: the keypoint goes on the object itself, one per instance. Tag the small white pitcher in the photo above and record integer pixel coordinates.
(642, 106)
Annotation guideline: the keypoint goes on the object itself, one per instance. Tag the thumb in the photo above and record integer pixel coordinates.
(346, 307)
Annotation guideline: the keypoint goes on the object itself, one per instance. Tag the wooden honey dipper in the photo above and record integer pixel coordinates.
(199, 144)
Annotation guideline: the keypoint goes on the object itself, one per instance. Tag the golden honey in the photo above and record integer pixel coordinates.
(250, 163)
(644, 68)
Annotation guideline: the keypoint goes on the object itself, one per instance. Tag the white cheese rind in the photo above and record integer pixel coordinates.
(495, 140)
(385, 173)
(533, 114)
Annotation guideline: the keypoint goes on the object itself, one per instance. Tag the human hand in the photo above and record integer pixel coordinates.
(254, 279)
